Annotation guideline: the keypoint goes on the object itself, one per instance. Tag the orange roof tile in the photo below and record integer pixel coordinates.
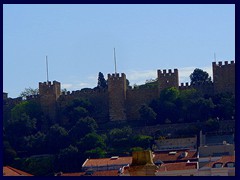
(10, 171)
(96, 173)
(106, 173)
(166, 157)
(178, 166)
(108, 161)
(73, 174)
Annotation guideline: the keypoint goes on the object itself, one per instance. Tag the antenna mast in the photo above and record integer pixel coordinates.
(115, 62)
(215, 57)
(47, 68)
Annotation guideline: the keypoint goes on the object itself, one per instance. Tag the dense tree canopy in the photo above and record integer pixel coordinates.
(199, 77)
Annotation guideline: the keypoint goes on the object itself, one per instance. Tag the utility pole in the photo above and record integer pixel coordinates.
(115, 62)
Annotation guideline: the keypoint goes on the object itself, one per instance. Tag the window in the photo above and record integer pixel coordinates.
(230, 164)
(217, 165)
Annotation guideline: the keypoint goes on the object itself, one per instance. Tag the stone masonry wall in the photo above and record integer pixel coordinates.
(137, 97)
(224, 77)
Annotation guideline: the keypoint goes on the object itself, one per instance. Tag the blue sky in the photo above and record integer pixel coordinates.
(79, 42)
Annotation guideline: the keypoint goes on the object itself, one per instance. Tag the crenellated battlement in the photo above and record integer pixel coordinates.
(220, 63)
(167, 73)
(83, 91)
(185, 84)
(118, 102)
(32, 97)
(116, 76)
(167, 79)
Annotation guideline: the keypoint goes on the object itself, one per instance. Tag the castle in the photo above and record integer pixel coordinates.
(119, 102)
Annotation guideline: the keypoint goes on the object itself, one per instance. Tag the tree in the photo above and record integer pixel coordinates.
(199, 77)
(36, 144)
(120, 138)
(8, 153)
(142, 141)
(76, 109)
(102, 83)
(147, 114)
(28, 92)
(90, 142)
(83, 127)
(95, 153)
(68, 159)
(21, 126)
(57, 138)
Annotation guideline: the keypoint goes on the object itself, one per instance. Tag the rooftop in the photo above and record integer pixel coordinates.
(175, 155)
(10, 171)
(108, 161)
(178, 166)
(224, 161)
(95, 173)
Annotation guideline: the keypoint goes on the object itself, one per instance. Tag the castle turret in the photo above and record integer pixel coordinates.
(49, 93)
(224, 77)
(167, 79)
(117, 96)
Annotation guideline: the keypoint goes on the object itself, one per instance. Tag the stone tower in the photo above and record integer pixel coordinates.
(167, 79)
(49, 93)
(117, 96)
(224, 77)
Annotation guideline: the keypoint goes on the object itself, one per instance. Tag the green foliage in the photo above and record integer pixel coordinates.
(8, 153)
(76, 109)
(69, 160)
(142, 141)
(147, 114)
(133, 149)
(28, 92)
(36, 144)
(38, 165)
(56, 139)
(29, 108)
(199, 77)
(102, 83)
(83, 127)
(224, 106)
(120, 138)
(91, 141)
(95, 153)
(21, 126)
(169, 94)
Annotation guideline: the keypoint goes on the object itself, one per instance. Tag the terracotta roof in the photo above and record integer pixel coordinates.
(166, 157)
(73, 174)
(224, 160)
(107, 161)
(10, 171)
(178, 166)
(96, 173)
(106, 173)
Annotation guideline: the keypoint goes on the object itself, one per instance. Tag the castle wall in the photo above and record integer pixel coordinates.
(98, 99)
(49, 93)
(224, 77)
(138, 97)
(167, 79)
(117, 96)
(203, 89)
